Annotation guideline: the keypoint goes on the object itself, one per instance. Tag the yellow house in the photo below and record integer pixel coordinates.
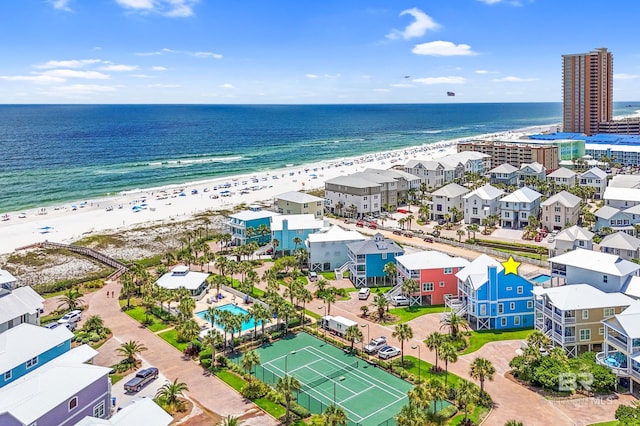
(294, 202)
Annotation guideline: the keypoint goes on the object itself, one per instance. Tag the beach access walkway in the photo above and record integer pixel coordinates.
(206, 390)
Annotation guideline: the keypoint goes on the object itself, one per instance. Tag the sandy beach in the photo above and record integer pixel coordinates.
(72, 221)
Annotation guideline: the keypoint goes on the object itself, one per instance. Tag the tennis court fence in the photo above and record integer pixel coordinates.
(308, 401)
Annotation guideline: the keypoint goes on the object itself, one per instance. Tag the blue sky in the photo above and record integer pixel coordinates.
(306, 51)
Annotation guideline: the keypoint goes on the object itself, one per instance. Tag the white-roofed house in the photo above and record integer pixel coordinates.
(434, 173)
(563, 176)
(448, 200)
(181, 277)
(328, 248)
(614, 218)
(473, 162)
(571, 315)
(571, 238)
(621, 244)
(246, 226)
(621, 347)
(295, 202)
(604, 271)
(531, 173)
(140, 411)
(560, 210)
(482, 203)
(491, 299)
(596, 179)
(434, 272)
(18, 304)
(517, 207)
(7, 280)
(625, 181)
(621, 198)
(504, 174)
(291, 231)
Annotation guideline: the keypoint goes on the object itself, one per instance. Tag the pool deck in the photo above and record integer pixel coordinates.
(210, 300)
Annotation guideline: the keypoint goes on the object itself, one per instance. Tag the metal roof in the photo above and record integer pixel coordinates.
(581, 296)
(430, 260)
(595, 261)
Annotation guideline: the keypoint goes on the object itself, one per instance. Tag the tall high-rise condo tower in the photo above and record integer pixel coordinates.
(587, 91)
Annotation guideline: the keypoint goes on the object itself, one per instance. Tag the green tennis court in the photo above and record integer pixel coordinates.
(369, 395)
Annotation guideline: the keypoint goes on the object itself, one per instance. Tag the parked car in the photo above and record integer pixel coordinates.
(313, 276)
(408, 234)
(403, 211)
(364, 293)
(360, 224)
(71, 317)
(400, 301)
(373, 225)
(397, 232)
(441, 221)
(388, 352)
(428, 239)
(141, 378)
(375, 345)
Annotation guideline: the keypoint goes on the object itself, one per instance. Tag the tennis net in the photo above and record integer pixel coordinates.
(331, 375)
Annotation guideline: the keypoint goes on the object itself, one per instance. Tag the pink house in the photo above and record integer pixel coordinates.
(435, 272)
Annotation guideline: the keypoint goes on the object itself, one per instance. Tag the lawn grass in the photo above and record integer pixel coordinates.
(479, 338)
(312, 314)
(233, 380)
(609, 423)
(154, 324)
(237, 383)
(115, 378)
(411, 312)
(171, 337)
(275, 409)
(257, 292)
(475, 416)
(411, 366)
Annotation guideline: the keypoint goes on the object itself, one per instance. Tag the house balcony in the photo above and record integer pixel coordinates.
(615, 361)
(559, 338)
(618, 341)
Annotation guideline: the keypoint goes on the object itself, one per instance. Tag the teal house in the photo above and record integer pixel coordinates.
(292, 230)
(368, 258)
(491, 299)
(247, 226)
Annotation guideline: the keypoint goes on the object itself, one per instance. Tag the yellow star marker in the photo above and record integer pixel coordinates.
(511, 266)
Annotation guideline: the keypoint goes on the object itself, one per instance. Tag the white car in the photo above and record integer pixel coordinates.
(375, 345)
(388, 352)
(364, 293)
(71, 317)
(400, 301)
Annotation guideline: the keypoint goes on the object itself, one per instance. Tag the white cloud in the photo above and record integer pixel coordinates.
(490, 1)
(74, 90)
(140, 76)
(227, 86)
(158, 68)
(440, 80)
(34, 78)
(442, 48)
(164, 86)
(513, 79)
(89, 75)
(402, 85)
(170, 8)
(311, 75)
(417, 28)
(208, 55)
(623, 76)
(116, 67)
(72, 63)
(485, 72)
(61, 5)
(381, 90)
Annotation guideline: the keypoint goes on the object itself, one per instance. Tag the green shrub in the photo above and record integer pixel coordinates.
(254, 389)
(222, 361)
(275, 397)
(205, 354)
(299, 410)
(94, 337)
(205, 363)
(448, 411)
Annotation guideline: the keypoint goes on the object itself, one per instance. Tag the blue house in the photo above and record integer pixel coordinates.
(367, 260)
(26, 347)
(491, 299)
(287, 229)
(245, 226)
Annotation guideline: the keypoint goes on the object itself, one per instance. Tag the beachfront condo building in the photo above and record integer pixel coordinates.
(295, 202)
(560, 210)
(482, 203)
(515, 152)
(587, 86)
(327, 249)
(441, 171)
(571, 316)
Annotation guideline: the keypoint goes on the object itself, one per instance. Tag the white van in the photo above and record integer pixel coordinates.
(313, 276)
(364, 293)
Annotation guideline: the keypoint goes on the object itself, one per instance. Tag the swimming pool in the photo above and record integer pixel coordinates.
(540, 279)
(235, 310)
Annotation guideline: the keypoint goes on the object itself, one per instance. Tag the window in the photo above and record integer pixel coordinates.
(503, 322)
(500, 308)
(520, 289)
(601, 331)
(523, 215)
(585, 314)
(7, 375)
(32, 362)
(98, 410)
(73, 403)
(605, 279)
(483, 309)
(506, 214)
(557, 218)
(384, 255)
(509, 288)
(512, 306)
(516, 320)
(609, 312)
(448, 270)
(530, 304)
(475, 210)
(441, 283)
(585, 335)
(427, 286)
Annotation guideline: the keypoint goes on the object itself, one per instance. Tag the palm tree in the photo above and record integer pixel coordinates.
(410, 286)
(304, 296)
(454, 323)
(286, 311)
(410, 415)
(448, 354)
(390, 270)
(249, 360)
(403, 333)
(170, 393)
(72, 299)
(427, 394)
(213, 338)
(275, 243)
(128, 287)
(466, 393)
(334, 416)
(329, 298)
(94, 323)
(188, 330)
(513, 422)
(434, 342)
(365, 311)
(380, 303)
(129, 350)
(296, 241)
(482, 369)
(229, 421)
(261, 314)
(211, 314)
(286, 386)
(460, 233)
(353, 333)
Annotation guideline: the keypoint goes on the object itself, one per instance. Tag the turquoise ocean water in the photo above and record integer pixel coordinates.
(59, 153)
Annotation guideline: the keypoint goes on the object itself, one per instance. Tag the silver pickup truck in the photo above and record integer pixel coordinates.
(141, 378)
(375, 344)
